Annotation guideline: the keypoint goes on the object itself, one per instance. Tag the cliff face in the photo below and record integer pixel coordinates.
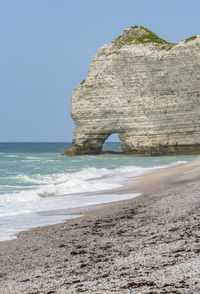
(144, 89)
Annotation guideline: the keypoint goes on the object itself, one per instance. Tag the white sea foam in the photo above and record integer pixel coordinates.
(32, 158)
(86, 180)
(61, 191)
(29, 215)
(14, 212)
(22, 196)
(84, 174)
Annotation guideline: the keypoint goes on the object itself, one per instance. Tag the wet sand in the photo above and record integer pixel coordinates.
(148, 244)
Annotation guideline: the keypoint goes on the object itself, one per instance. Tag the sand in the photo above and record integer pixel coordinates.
(149, 244)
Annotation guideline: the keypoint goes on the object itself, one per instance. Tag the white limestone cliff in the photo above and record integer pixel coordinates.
(146, 90)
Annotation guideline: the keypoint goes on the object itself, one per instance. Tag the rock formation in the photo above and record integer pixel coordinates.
(143, 88)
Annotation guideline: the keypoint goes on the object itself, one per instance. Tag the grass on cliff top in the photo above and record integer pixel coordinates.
(190, 38)
(140, 35)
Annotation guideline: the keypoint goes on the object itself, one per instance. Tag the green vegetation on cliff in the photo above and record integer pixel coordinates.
(190, 38)
(140, 35)
(114, 52)
(82, 82)
(88, 86)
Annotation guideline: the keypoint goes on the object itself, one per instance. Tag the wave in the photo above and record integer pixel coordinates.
(86, 180)
(59, 184)
(43, 194)
(14, 213)
(84, 174)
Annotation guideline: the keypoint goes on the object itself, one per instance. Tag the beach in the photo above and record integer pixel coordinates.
(148, 244)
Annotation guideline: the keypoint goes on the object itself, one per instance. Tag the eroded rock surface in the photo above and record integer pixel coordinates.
(143, 88)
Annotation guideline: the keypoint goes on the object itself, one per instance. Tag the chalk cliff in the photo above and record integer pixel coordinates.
(143, 88)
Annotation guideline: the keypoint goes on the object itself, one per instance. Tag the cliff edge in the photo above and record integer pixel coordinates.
(143, 88)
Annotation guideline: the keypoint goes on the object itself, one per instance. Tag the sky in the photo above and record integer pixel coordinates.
(47, 45)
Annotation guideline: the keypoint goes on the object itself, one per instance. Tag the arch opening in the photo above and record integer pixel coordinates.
(112, 144)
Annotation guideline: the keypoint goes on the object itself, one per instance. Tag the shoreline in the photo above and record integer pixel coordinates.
(79, 211)
(129, 245)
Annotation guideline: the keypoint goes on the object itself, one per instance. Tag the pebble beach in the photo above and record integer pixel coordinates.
(148, 244)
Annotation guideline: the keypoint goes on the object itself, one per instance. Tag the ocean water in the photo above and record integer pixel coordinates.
(37, 184)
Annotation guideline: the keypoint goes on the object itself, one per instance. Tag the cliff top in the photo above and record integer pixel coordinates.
(141, 35)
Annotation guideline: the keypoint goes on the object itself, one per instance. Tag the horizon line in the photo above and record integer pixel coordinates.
(48, 142)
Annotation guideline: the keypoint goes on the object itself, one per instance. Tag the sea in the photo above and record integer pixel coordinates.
(40, 187)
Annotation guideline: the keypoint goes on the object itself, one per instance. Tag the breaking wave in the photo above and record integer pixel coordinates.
(86, 180)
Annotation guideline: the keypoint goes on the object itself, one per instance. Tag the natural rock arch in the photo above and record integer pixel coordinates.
(94, 145)
(112, 138)
(145, 89)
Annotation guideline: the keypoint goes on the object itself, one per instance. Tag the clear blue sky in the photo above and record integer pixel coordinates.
(47, 45)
